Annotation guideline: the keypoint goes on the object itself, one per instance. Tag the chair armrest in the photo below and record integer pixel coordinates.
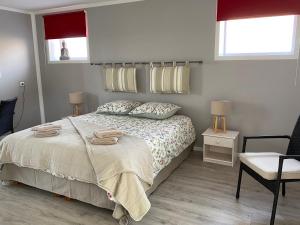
(281, 158)
(262, 137)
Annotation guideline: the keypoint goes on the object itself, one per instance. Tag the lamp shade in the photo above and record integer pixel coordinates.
(76, 98)
(220, 108)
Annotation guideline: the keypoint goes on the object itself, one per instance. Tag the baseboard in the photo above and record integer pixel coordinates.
(198, 149)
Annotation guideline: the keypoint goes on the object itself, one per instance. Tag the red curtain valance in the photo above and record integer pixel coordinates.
(242, 9)
(65, 25)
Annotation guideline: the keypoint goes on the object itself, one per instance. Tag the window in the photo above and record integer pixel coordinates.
(257, 38)
(66, 37)
(76, 49)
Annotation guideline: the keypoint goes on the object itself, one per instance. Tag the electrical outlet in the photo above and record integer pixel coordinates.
(22, 83)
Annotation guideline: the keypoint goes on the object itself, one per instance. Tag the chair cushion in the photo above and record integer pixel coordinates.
(266, 165)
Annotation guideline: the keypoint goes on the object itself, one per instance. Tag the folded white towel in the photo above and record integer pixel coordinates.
(41, 134)
(103, 141)
(108, 133)
(46, 127)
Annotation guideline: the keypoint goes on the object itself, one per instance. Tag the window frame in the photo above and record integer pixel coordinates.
(71, 61)
(260, 56)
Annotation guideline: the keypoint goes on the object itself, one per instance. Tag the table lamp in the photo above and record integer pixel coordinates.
(76, 99)
(219, 111)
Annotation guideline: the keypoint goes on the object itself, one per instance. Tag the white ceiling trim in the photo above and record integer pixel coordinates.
(14, 10)
(70, 8)
(84, 6)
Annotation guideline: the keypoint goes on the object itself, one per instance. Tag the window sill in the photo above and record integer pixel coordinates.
(69, 62)
(257, 57)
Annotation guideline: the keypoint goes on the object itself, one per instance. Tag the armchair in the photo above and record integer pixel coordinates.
(272, 169)
(7, 108)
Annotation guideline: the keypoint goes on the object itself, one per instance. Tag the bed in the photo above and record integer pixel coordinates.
(169, 142)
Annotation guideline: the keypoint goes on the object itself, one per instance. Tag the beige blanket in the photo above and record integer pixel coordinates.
(124, 170)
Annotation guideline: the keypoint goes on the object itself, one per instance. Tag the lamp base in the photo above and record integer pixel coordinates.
(76, 110)
(219, 120)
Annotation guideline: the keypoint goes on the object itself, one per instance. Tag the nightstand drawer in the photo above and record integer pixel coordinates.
(218, 141)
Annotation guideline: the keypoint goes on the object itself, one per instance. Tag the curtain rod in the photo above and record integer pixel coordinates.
(147, 63)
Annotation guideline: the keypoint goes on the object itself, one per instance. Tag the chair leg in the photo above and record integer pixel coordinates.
(239, 183)
(283, 188)
(275, 201)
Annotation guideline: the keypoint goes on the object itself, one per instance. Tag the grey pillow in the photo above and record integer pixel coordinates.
(155, 110)
(121, 107)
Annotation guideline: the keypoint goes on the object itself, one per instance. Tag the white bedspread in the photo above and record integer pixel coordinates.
(165, 138)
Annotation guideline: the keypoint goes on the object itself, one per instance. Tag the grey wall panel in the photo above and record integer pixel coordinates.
(17, 64)
(265, 99)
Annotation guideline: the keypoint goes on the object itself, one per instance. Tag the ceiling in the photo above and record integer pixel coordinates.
(36, 5)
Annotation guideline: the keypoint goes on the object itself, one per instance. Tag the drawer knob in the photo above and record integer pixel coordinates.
(218, 141)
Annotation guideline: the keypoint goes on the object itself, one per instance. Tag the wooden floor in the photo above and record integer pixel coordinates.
(196, 193)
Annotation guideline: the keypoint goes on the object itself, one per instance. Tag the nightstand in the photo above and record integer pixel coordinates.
(220, 148)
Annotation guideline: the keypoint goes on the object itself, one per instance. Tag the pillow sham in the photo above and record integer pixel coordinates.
(121, 107)
(155, 110)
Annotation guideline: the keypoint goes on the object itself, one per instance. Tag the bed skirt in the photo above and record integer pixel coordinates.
(84, 192)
